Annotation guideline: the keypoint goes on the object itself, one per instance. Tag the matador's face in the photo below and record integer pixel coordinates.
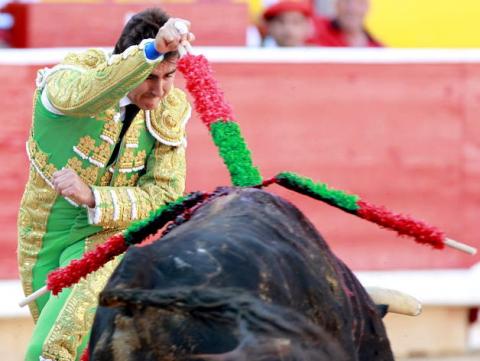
(153, 89)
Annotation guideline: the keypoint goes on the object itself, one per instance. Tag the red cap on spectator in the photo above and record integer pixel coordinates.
(284, 6)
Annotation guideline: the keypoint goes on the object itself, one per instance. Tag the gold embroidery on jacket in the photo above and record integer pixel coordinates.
(171, 172)
(39, 160)
(133, 160)
(90, 58)
(125, 205)
(126, 160)
(139, 161)
(169, 180)
(121, 180)
(124, 180)
(46, 169)
(35, 207)
(101, 154)
(167, 121)
(111, 131)
(133, 179)
(106, 178)
(99, 81)
(89, 175)
(85, 146)
(144, 204)
(106, 201)
(76, 317)
(131, 138)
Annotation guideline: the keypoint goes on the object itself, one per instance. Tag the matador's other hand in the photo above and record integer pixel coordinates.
(69, 184)
(173, 33)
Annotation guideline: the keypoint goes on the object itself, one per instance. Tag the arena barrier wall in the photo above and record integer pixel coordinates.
(70, 24)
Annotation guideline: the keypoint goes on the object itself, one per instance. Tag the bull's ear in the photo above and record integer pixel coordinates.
(120, 298)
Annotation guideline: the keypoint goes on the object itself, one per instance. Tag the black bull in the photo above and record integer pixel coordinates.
(248, 277)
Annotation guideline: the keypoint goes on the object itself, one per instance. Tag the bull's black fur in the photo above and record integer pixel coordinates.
(246, 277)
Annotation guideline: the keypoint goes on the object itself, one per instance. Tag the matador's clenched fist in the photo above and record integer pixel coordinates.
(69, 184)
(173, 33)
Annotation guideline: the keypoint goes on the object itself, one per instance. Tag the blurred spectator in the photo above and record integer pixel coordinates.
(287, 23)
(347, 28)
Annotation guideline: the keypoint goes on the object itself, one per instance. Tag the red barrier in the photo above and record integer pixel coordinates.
(46, 25)
(403, 135)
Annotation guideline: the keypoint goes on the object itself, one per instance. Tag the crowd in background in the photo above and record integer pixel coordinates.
(289, 23)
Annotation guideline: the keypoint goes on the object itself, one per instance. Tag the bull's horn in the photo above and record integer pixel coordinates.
(397, 302)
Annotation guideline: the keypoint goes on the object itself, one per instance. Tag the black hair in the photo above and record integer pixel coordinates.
(143, 25)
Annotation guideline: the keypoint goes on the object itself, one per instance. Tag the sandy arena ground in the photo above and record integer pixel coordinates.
(470, 357)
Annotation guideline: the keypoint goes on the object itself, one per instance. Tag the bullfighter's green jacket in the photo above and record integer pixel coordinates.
(76, 124)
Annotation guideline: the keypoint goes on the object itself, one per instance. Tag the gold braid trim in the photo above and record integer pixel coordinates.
(127, 159)
(131, 138)
(125, 206)
(35, 208)
(40, 161)
(104, 209)
(76, 317)
(144, 206)
(108, 208)
(112, 127)
(106, 178)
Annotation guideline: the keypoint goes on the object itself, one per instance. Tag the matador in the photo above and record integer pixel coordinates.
(106, 147)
